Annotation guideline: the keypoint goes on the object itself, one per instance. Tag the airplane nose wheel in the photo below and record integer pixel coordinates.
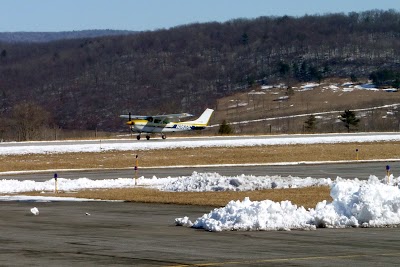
(148, 137)
(138, 137)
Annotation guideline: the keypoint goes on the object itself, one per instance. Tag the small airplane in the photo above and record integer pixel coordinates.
(166, 123)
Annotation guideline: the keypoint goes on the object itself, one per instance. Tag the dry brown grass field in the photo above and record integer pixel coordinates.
(306, 197)
(258, 103)
(317, 100)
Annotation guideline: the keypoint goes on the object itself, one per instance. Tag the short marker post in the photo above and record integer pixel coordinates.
(356, 153)
(55, 183)
(136, 168)
(388, 173)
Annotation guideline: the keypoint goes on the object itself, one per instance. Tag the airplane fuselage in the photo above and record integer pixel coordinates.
(144, 126)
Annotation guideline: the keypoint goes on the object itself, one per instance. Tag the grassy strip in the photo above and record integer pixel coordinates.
(306, 197)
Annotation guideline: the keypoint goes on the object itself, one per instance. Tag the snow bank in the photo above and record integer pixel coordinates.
(371, 204)
(201, 182)
(355, 203)
(255, 215)
(197, 182)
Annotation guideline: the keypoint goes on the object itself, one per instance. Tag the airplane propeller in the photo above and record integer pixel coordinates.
(129, 122)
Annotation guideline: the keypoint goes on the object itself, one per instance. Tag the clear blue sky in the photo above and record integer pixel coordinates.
(68, 15)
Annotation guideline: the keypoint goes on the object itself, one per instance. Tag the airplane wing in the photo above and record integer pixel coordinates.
(134, 117)
(160, 117)
(172, 116)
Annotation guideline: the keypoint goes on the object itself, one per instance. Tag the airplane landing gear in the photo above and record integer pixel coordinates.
(148, 136)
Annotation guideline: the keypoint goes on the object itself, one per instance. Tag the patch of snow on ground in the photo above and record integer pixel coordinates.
(266, 87)
(348, 89)
(308, 86)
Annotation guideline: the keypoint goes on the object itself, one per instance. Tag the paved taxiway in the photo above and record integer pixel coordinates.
(358, 170)
(131, 234)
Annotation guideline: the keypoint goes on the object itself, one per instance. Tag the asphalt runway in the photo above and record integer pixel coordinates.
(132, 234)
(360, 170)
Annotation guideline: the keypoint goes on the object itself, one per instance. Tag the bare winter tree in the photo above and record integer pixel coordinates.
(29, 119)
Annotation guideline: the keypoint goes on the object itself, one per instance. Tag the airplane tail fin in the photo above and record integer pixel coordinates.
(205, 117)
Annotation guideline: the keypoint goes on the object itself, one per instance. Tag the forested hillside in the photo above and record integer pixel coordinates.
(87, 83)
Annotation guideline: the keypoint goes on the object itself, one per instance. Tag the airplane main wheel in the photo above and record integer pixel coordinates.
(163, 136)
(138, 137)
(148, 137)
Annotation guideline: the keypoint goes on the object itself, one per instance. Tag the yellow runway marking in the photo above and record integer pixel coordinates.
(287, 259)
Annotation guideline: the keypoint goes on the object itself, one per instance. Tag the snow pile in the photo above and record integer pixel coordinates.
(200, 182)
(371, 204)
(355, 203)
(255, 215)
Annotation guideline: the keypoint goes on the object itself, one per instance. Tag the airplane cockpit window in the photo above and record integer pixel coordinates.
(150, 119)
(157, 120)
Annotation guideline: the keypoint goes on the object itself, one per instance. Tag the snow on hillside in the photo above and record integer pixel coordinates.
(344, 87)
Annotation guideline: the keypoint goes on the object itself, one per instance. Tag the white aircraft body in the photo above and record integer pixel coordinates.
(166, 123)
